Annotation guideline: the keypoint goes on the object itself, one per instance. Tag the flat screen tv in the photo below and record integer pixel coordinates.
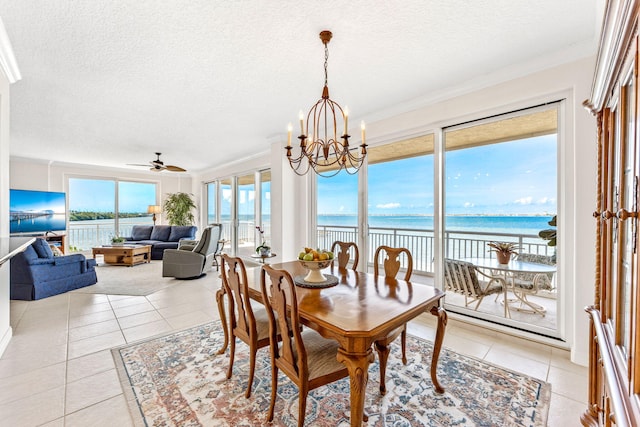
(36, 212)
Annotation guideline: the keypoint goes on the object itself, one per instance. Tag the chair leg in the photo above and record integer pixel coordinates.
(403, 340)
(274, 390)
(252, 369)
(383, 355)
(223, 320)
(302, 403)
(232, 353)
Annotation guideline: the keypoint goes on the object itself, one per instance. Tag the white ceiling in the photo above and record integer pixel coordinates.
(206, 82)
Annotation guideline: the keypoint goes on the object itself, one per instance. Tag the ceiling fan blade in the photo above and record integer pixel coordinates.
(136, 164)
(156, 169)
(175, 168)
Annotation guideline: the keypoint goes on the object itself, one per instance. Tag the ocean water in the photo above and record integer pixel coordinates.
(467, 223)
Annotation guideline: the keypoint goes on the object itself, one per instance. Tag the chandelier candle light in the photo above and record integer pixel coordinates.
(320, 147)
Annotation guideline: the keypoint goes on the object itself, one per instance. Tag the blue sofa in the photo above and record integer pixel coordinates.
(35, 273)
(161, 237)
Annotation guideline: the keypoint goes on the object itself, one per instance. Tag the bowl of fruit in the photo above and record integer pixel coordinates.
(314, 261)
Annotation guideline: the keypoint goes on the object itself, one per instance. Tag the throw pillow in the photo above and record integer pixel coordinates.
(42, 248)
(161, 232)
(141, 232)
(181, 231)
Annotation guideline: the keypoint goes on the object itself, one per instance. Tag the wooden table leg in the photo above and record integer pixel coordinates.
(437, 346)
(358, 366)
(223, 319)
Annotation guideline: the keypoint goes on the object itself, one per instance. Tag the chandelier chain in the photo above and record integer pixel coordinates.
(326, 62)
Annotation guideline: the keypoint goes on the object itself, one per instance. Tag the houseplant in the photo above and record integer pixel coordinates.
(263, 249)
(178, 207)
(503, 250)
(117, 241)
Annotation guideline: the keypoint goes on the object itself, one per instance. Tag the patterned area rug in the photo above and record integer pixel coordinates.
(178, 380)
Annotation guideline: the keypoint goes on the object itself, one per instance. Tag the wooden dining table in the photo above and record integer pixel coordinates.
(358, 311)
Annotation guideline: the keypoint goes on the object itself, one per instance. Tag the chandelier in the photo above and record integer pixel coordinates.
(321, 149)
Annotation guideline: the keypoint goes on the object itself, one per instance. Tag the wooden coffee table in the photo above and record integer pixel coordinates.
(128, 255)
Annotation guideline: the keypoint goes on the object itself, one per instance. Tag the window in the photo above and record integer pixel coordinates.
(99, 207)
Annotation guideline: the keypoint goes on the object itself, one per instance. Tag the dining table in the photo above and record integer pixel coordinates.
(509, 272)
(356, 312)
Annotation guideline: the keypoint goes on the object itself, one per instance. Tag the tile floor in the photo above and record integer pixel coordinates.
(58, 370)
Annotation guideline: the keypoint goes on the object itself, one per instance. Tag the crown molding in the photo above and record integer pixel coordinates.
(8, 62)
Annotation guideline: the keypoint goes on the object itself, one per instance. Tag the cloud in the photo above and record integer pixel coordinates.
(524, 201)
(388, 205)
(469, 205)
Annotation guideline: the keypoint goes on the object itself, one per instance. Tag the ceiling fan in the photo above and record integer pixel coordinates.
(158, 165)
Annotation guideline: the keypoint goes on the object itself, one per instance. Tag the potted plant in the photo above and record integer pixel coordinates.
(550, 235)
(503, 250)
(263, 249)
(178, 207)
(117, 241)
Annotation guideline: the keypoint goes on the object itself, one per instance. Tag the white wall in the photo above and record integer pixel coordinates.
(291, 201)
(5, 327)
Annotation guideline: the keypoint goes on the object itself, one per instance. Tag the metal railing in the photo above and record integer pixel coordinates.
(421, 243)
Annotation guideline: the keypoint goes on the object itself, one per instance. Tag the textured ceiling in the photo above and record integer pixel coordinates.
(206, 82)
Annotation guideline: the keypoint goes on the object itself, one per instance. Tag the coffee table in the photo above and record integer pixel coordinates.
(128, 255)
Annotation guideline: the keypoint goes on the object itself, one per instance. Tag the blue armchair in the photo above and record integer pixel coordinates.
(36, 273)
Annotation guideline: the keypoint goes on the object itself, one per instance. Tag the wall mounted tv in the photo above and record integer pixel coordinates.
(36, 212)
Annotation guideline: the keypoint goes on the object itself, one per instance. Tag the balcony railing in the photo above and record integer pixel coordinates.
(421, 243)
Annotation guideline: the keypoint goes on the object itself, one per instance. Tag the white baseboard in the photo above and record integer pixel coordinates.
(4, 342)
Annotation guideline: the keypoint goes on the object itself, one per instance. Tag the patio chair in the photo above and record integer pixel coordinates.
(344, 255)
(525, 284)
(391, 265)
(461, 277)
(308, 359)
(248, 323)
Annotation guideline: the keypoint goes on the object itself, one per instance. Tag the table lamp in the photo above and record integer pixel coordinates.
(154, 209)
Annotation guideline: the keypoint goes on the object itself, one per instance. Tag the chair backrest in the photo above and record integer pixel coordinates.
(547, 278)
(392, 262)
(344, 255)
(461, 277)
(217, 235)
(280, 299)
(208, 241)
(234, 280)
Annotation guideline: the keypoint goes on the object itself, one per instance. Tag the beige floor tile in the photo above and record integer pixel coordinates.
(518, 363)
(528, 349)
(95, 344)
(569, 384)
(108, 413)
(59, 422)
(88, 308)
(34, 341)
(187, 320)
(464, 346)
(26, 361)
(87, 319)
(91, 390)
(139, 319)
(36, 409)
(130, 310)
(146, 331)
(130, 300)
(92, 330)
(561, 359)
(90, 364)
(564, 412)
(179, 309)
(22, 385)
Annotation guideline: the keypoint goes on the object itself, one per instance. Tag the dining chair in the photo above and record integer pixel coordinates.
(344, 255)
(461, 277)
(391, 265)
(525, 284)
(247, 322)
(307, 358)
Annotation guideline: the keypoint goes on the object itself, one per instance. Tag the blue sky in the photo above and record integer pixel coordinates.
(517, 177)
(99, 195)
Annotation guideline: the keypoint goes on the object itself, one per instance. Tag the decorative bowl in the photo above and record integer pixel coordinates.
(314, 267)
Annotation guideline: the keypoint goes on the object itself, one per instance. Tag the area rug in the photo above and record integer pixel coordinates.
(139, 280)
(178, 380)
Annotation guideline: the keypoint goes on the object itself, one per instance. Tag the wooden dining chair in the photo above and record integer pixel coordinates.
(307, 358)
(391, 265)
(344, 255)
(248, 323)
